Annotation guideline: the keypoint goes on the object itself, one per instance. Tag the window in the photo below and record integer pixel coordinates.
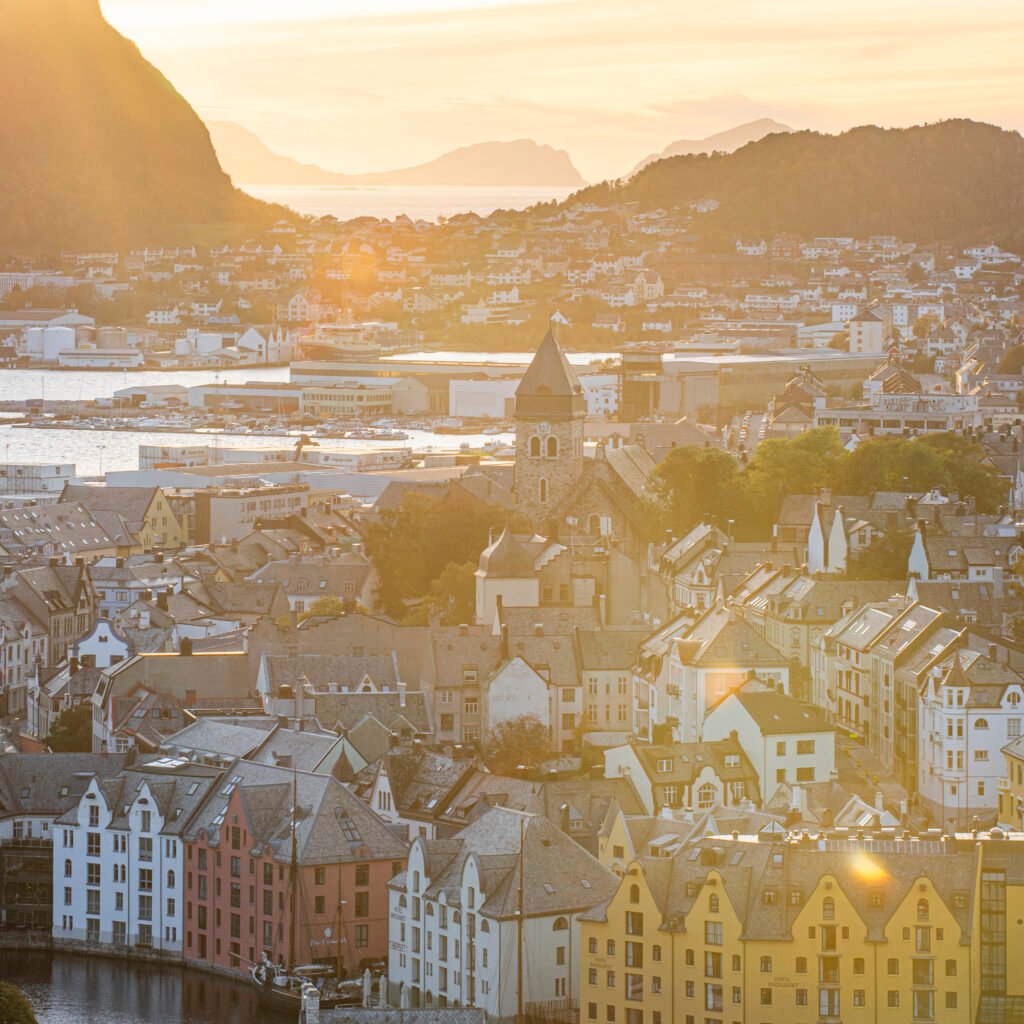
(634, 894)
(592, 945)
(828, 909)
(634, 923)
(801, 965)
(552, 447)
(922, 910)
(766, 965)
(805, 746)
(713, 903)
(950, 968)
(766, 997)
(893, 965)
(534, 447)
(858, 965)
(712, 964)
(542, 491)
(712, 934)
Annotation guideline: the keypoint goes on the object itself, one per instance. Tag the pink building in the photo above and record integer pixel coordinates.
(238, 855)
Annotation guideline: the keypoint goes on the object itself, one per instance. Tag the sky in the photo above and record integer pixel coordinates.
(369, 85)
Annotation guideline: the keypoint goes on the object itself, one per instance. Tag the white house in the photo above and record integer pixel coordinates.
(968, 710)
(708, 661)
(454, 913)
(102, 647)
(786, 741)
(118, 856)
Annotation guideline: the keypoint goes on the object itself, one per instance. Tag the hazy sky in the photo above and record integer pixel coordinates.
(361, 85)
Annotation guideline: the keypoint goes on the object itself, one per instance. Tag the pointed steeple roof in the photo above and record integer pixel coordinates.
(550, 386)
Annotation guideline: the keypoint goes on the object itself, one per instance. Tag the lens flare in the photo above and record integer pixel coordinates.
(868, 870)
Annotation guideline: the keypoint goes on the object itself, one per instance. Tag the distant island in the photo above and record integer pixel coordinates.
(249, 161)
(722, 142)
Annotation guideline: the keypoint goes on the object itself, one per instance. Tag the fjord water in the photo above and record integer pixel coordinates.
(80, 990)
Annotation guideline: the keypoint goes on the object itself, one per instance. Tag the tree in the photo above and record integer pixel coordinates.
(694, 485)
(14, 1006)
(1012, 361)
(968, 476)
(517, 741)
(451, 597)
(885, 558)
(412, 545)
(72, 732)
(798, 465)
(325, 607)
(840, 340)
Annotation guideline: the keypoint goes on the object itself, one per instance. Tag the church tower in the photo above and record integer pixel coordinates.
(549, 412)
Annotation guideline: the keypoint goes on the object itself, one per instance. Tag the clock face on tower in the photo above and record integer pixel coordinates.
(543, 428)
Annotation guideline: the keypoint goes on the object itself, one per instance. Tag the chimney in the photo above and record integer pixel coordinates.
(997, 581)
(401, 694)
(144, 620)
(825, 495)
(879, 801)
(538, 629)
(161, 600)
(190, 698)
(993, 652)
(563, 815)
(463, 629)
(73, 666)
(504, 641)
(186, 647)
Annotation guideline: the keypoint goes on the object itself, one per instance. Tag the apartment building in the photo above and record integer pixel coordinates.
(500, 900)
(808, 929)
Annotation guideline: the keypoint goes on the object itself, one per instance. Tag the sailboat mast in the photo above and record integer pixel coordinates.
(519, 925)
(293, 872)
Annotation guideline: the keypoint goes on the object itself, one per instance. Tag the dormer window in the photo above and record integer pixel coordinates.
(664, 764)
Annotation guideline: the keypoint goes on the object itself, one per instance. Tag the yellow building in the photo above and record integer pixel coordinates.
(137, 518)
(808, 930)
(1011, 787)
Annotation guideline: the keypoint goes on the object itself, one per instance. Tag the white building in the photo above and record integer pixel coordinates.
(968, 710)
(453, 929)
(786, 741)
(118, 857)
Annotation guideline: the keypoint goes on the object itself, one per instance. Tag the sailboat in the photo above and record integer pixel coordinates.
(280, 988)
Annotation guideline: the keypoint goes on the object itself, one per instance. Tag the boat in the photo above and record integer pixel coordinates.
(279, 988)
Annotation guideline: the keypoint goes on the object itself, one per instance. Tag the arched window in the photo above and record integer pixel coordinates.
(706, 795)
(170, 879)
(560, 925)
(542, 491)
(552, 447)
(484, 926)
(471, 898)
(828, 908)
(981, 723)
(67, 869)
(1014, 699)
(634, 894)
(922, 910)
(713, 903)
(534, 447)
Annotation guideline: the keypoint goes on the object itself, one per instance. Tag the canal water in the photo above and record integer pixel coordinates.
(81, 990)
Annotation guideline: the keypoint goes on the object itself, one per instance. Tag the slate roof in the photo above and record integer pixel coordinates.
(777, 713)
(50, 783)
(688, 760)
(333, 823)
(609, 648)
(555, 867)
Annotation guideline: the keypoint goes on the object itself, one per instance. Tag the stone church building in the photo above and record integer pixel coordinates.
(558, 490)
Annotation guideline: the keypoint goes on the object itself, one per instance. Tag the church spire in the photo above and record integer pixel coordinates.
(550, 387)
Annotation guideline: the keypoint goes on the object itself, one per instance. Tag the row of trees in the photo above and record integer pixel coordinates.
(694, 485)
(426, 551)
